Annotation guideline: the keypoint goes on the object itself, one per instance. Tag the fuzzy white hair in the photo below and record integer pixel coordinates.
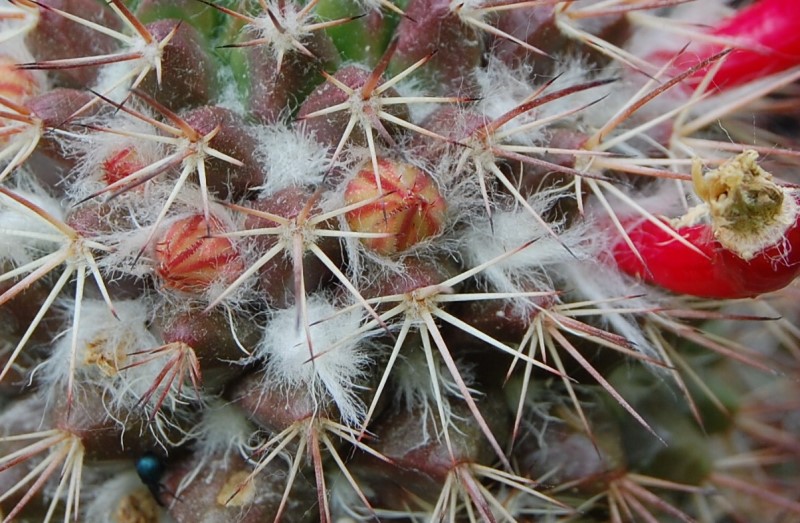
(338, 360)
(20, 227)
(291, 157)
(114, 491)
(486, 239)
(504, 88)
(103, 346)
(222, 433)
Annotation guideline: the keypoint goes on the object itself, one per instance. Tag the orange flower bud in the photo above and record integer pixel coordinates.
(190, 260)
(410, 211)
(16, 84)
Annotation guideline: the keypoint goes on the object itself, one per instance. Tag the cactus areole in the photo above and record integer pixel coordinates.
(317, 261)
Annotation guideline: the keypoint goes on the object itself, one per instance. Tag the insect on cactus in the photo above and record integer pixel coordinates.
(286, 260)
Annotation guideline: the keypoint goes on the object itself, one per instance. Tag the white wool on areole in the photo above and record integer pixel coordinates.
(488, 238)
(23, 233)
(223, 433)
(290, 157)
(104, 346)
(123, 488)
(331, 365)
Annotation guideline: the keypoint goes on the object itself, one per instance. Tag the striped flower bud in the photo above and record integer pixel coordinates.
(191, 260)
(121, 164)
(16, 84)
(411, 210)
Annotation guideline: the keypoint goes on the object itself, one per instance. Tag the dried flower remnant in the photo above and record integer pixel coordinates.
(747, 245)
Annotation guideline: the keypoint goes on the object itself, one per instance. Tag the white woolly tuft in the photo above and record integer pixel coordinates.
(108, 77)
(504, 88)
(293, 27)
(577, 70)
(487, 239)
(18, 221)
(107, 359)
(223, 431)
(109, 80)
(229, 96)
(413, 87)
(413, 388)
(339, 363)
(27, 415)
(104, 344)
(594, 281)
(291, 156)
(102, 508)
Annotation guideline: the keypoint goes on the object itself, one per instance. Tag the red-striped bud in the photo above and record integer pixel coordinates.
(121, 164)
(411, 210)
(191, 260)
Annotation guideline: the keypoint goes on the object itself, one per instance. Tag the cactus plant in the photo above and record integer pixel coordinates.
(416, 259)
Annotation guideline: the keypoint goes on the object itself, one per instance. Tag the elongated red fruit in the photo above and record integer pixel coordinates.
(750, 246)
(719, 274)
(766, 42)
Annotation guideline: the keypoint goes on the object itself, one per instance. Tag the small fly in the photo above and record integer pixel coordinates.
(151, 467)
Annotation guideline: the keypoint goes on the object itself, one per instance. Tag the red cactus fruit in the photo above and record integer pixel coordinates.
(765, 40)
(750, 246)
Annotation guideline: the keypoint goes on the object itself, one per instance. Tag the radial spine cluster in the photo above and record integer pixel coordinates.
(415, 260)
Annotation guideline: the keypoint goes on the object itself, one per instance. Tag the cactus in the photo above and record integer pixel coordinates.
(416, 260)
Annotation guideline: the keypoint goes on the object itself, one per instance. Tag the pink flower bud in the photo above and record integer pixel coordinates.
(15, 84)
